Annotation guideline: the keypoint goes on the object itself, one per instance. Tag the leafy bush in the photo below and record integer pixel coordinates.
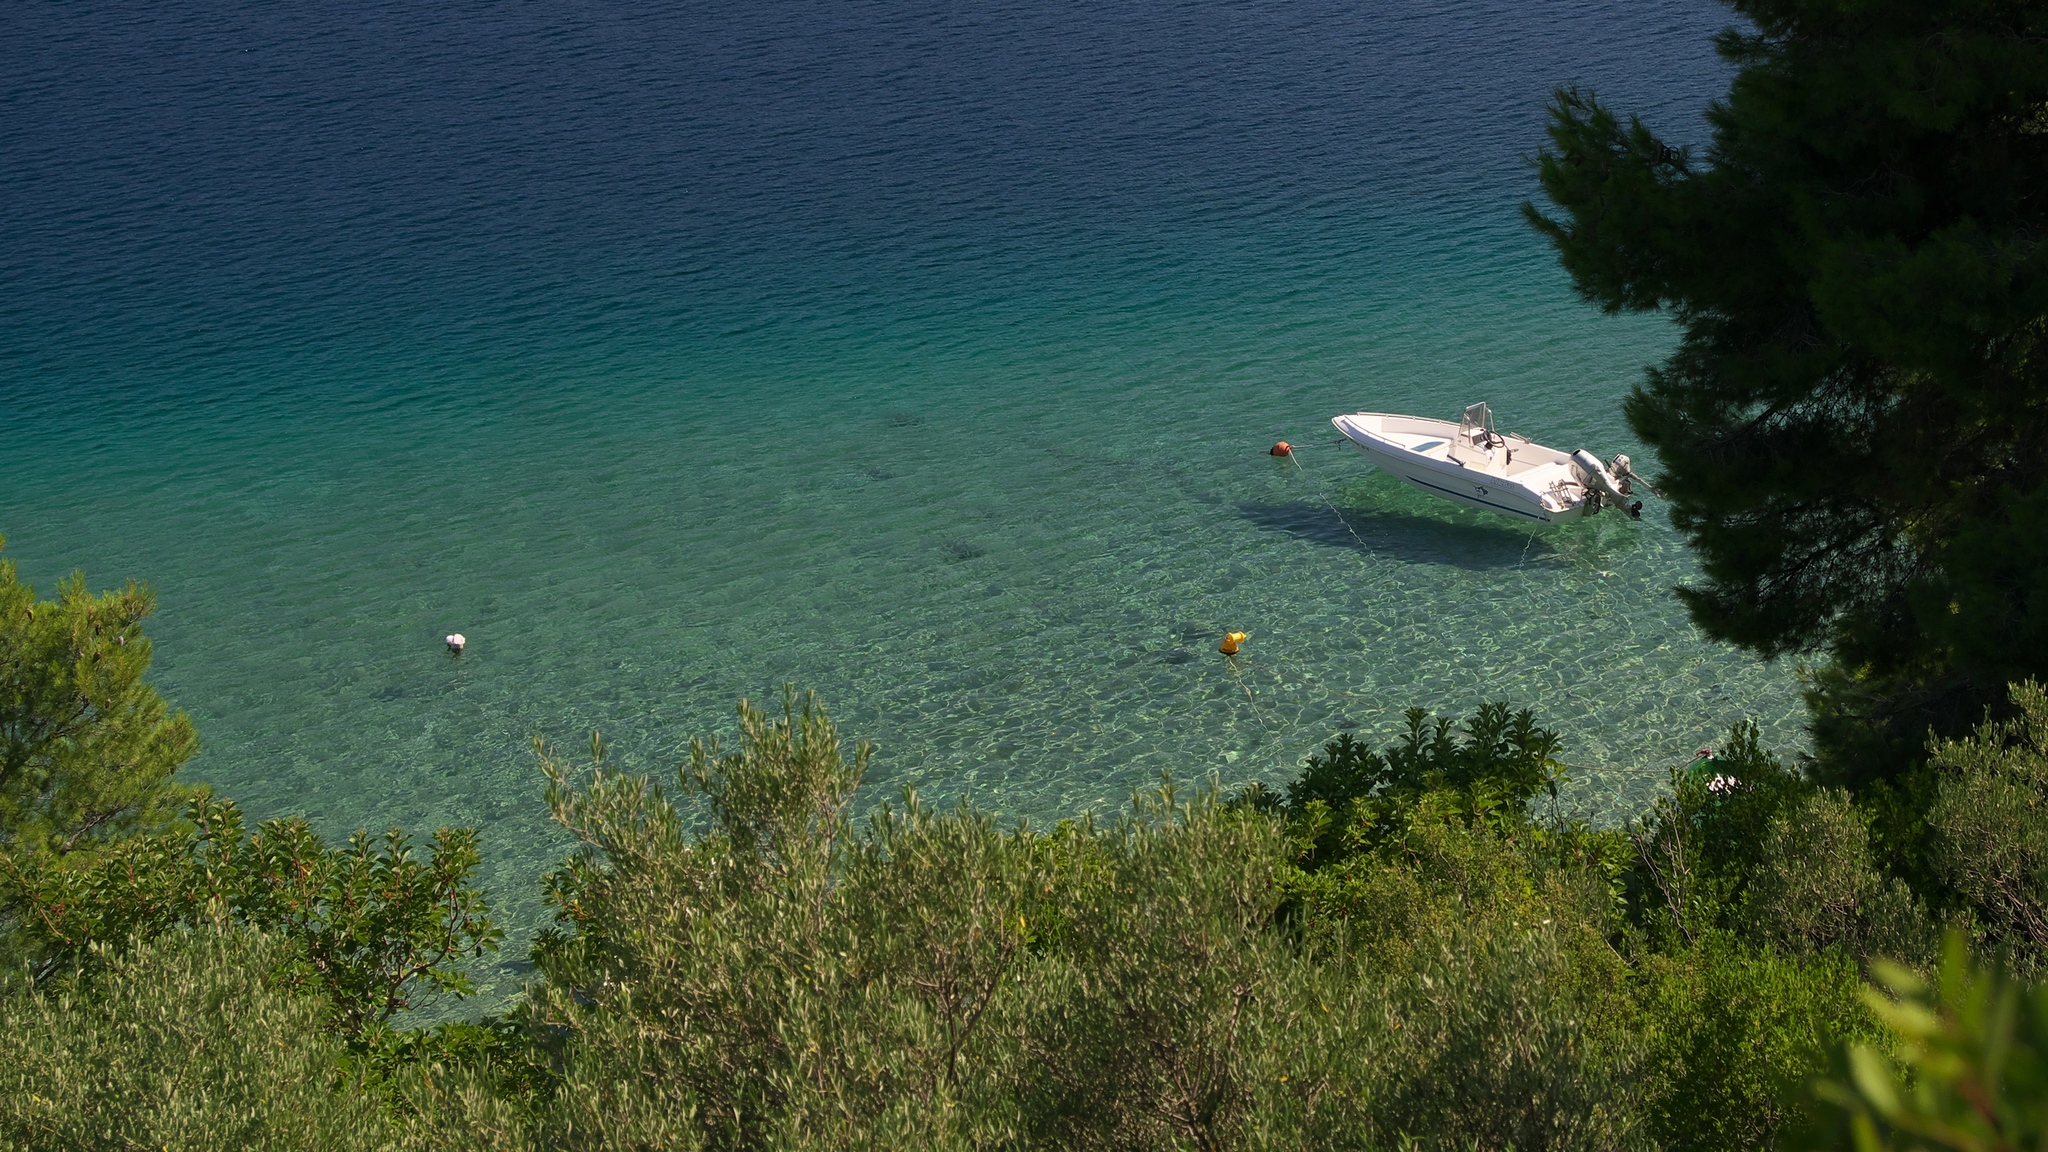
(1393, 953)
(1966, 1067)
(1817, 886)
(1730, 1031)
(368, 926)
(1399, 881)
(1698, 847)
(783, 977)
(92, 855)
(775, 975)
(1502, 751)
(1494, 1049)
(1990, 824)
(1142, 1025)
(189, 1042)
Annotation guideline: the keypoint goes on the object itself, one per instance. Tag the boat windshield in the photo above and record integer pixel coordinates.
(1476, 429)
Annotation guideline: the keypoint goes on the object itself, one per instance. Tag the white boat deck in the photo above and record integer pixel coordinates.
(1534, 464)
(1511, 474)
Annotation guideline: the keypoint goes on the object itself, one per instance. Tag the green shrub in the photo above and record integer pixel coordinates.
(369, 926)
(1730, 1030)
(1494, 1048)
(1990, 825)
(87, 748)
(1698, 847)
(190, 1042)
(1965, 1066)
(777, 974)
(1143, 1023)
(1395, 955)
(92, 854)
(1414, 867)
(1500, 758)
(1817, 886)
(784, 978)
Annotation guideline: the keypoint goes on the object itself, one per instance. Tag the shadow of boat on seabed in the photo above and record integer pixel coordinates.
(1403, 536)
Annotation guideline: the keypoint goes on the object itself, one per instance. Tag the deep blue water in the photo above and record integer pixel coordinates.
(924, 354)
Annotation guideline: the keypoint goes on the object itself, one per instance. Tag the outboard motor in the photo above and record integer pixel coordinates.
(1625, 475)
(1601, 485)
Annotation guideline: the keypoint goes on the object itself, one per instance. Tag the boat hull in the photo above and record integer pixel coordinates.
(1421, 453)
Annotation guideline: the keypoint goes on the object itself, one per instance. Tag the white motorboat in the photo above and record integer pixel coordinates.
(1467, 462)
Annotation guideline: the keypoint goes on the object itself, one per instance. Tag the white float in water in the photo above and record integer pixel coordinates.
(456, 641)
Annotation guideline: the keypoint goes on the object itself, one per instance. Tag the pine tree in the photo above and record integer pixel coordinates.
(1851, 429)
(87, 748)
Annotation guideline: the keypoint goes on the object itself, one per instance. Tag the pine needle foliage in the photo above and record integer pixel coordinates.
(86, 746)
(1850, 428)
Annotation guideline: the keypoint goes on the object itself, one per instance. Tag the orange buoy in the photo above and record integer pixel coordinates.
(1231, 642)
(1283, 448)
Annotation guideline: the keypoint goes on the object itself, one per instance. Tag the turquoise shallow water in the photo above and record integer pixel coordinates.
(927, 358)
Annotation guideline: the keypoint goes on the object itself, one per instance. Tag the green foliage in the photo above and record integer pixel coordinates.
(191, 1042)
(91, 853)
(1399, 880)
(1900, 837)
(1753, 897)
(1178, 1016)
(1492, 1049)
(371, 924)
(1817, 886)
(1990, 828)
(1745, 845)
(737, 988)
(1731, 1031)
(1849, 430)
(779, 976)
(1698, 847)
(1348, 795)
(1968, 1070)
(1142, 1028)
(368, 926)
(1394, 952)
(1395, 955)
(1502, 751)
(1646, 929)
(86, 748)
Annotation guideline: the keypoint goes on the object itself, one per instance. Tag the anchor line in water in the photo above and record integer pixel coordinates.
(1294, 457)
(1238, 675)
(1601, 596)
(1277, 749)
(1538, 594)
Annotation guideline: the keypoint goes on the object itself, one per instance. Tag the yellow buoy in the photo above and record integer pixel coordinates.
(1231, 641)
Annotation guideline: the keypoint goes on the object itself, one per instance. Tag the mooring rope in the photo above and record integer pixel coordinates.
(1323, 495)
(1589, 590)
(1238, 675)
(1277, 748)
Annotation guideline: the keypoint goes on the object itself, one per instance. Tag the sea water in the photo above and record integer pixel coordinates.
(924, 354)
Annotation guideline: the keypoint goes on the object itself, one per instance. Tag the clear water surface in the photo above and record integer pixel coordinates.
(922, 353)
